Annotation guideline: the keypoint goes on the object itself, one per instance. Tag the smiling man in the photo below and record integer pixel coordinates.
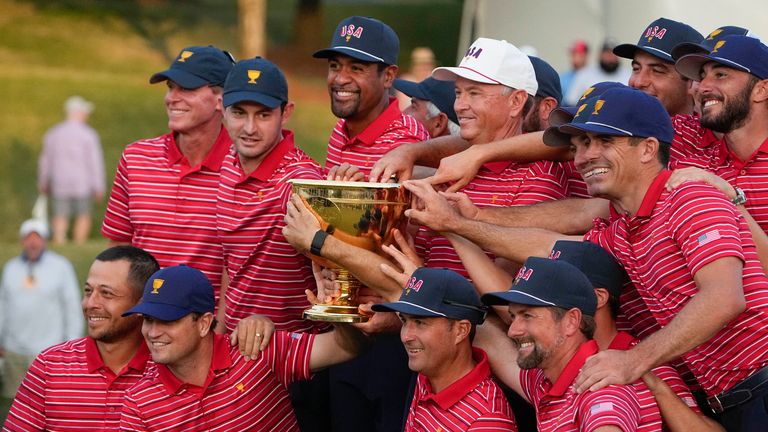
(163, 197)
(454, 389)
(266, 274)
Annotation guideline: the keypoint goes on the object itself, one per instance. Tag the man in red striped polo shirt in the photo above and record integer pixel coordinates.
(454, 389)
(552, 304)
(80, 384)
(199, 383)
(266, 274)
(163, 198)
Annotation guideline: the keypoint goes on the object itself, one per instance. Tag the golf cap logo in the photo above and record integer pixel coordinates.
(253, 75)
(598, 106)
(554, 254)
(414, 285)
(156, 284)
(718, 45)
(473, 52)
(578, 111)
(350, 30)
(655, 32)
(586, 93)
(185, 55)
(523, 274)
(714, 34)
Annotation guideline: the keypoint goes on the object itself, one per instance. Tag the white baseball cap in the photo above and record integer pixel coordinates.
(34, 225)
(78, 104)
(492, 61)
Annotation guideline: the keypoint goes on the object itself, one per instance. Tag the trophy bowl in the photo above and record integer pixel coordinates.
(360, 214)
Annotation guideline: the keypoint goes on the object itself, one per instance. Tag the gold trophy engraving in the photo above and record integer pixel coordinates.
(361, 214)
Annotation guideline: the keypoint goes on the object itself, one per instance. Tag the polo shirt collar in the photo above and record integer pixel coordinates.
(651, 196)
(497, 167)
(275, 157)
(94, 361)
(726, 152)
(212, 160)
(568, 375)
(377, 128)
(622, 341)
(455, 392)
(220, 360)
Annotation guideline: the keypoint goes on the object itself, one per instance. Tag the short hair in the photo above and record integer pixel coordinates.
(143, 265)
(433, 111)
(586, 326)
(662, 154)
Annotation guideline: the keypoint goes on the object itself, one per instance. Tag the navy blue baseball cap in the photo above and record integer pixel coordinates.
(743, 53)
(175, 292)
(615, 113)
(440, 93)
(599, 266)
(548, 79)
(197, 66)
(707, 44)
(659, 39)
(363, 38)
(562, 115)
(438, 292)
(548, 283)
(256, 80)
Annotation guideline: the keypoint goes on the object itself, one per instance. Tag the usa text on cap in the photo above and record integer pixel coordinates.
(363, 38)
(434, 292)
(548, 283)
(659, 39)
(175, 292)
(256, 80)
(491, 61)
(743, 53)
(197, 66)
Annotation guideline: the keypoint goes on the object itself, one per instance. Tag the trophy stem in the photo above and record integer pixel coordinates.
(342, 309)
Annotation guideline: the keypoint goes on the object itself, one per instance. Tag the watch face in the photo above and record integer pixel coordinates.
(740, 198)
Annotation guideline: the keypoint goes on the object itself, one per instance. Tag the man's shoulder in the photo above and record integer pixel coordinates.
(148, 145)
(69, 351)
(148, 385)
(405, 128)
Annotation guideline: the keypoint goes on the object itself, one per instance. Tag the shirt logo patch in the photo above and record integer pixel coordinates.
(708, 237)
(414, 285)
(601, 407)
(156, 284)
(185, 55)
(253, 75)
(240, 387)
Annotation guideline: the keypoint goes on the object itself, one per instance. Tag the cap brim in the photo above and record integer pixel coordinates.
(349, 52)
(163, 312)
(562, 115)
(685, 48)
(406, 308)
(513, 296)
(690, 65)
(595, 128)
(450, 74)
(180, 77)
(411, 89)
(246, 96)
(555, 138)
(628, 51)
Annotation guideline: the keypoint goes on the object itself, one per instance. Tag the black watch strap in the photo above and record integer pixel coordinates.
(317, 242)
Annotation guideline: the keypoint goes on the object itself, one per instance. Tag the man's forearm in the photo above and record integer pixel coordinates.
(429, 153)
(350, 339)
(568, 216)
(523, 148)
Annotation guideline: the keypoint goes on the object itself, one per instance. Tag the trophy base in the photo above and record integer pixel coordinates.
(332, 313)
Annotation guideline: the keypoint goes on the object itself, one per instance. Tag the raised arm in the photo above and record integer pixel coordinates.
(400, 161)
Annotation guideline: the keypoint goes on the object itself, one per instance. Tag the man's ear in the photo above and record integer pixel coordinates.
(389, 75)
(204, 324)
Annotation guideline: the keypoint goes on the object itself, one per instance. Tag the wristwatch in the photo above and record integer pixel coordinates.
(740, 198)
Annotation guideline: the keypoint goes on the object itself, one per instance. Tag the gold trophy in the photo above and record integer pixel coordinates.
(358, 213)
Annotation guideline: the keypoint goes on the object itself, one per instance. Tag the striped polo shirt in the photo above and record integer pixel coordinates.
(496, 184)
(267, 275)
(238, 395)
(474, 402)
(390, 129)
(560, 409)
(161, 204)
(68, 388)
(672, 236)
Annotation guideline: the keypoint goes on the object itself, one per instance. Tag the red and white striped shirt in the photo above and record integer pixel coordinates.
(238, 395)
(267, 275)
(474, 402)
(496, 184)
(390, 129)
(68, 388)
(577, 188)
(161, 204)
(560, 409)
(672, 236)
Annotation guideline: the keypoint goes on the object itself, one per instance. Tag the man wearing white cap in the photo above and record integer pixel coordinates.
(71, 170)
(39, 304)
(495, 86)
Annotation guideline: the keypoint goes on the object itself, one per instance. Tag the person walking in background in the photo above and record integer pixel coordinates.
(71, 170)
(578, 53)
(39, 304)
